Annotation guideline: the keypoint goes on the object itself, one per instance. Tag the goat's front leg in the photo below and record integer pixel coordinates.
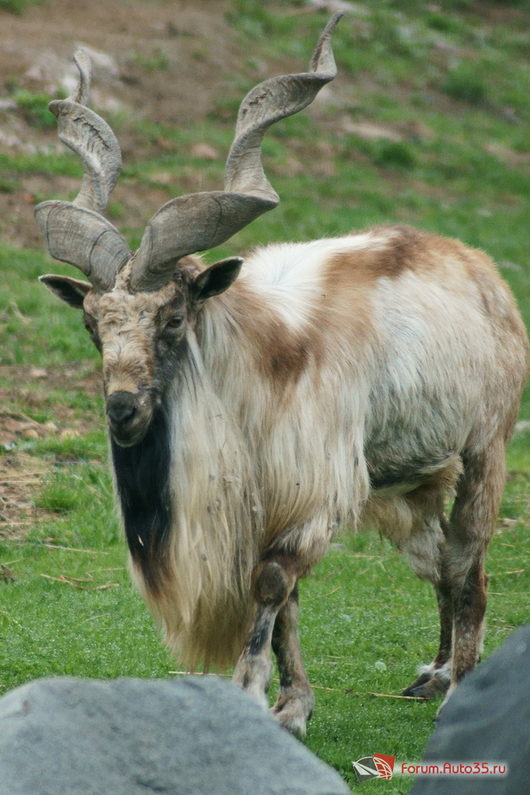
(295, 701)
(273, 584)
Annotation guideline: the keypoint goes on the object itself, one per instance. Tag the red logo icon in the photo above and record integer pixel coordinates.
(375, 766)
(385, 765)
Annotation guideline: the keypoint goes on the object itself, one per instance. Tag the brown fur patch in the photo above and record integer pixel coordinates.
(284, 353)
(394, 250)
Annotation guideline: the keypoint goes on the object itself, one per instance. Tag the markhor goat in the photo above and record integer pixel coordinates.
(257, 408)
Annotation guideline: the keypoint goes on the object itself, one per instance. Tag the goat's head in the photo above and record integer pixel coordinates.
(139, 306)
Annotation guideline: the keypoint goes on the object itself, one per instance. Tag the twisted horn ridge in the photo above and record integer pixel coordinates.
(83, 238)
(76, 232)
(199, 221)
(90, 137)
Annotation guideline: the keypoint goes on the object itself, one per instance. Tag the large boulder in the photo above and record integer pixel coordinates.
(486, 720)
(69, 736)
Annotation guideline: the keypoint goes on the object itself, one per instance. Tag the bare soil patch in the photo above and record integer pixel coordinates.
(185, 37)
(21, 474)
(168, 61)
(31, 387)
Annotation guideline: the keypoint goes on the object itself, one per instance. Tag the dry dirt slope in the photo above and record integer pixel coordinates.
(165, 61)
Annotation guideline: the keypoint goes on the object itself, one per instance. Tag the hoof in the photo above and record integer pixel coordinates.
(414, 690)
(427, 686)
(293, 711)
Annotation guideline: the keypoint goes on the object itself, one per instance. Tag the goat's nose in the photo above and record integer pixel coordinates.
(121, 408)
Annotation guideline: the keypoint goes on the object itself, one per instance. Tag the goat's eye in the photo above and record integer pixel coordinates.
(91, 327)
(175, 322)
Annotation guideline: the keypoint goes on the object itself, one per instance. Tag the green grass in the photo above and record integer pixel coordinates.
(366, 621)
(17, 6)
(154, 61)
(34, 108)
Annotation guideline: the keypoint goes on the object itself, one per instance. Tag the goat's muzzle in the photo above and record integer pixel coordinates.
(128, 418)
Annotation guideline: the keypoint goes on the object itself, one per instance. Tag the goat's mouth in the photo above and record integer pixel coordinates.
(129, 418)
(124, 438)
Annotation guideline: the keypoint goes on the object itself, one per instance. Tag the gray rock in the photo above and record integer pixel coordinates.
(69, 736)
(487, 719)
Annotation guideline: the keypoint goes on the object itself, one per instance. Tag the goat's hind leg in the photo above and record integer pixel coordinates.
(425, 552)
(470, 529)
(435, 677)
(461, 585)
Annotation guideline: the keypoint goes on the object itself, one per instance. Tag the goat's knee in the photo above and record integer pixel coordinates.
(272, 584)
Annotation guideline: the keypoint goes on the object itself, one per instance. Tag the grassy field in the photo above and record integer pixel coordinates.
(447, 98)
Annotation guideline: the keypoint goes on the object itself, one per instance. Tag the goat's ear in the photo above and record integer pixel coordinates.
(72, 291)
(216, 279)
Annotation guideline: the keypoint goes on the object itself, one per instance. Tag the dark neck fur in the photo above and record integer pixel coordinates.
(142, 477)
